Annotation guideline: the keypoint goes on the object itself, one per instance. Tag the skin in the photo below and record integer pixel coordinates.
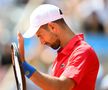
(55, 36)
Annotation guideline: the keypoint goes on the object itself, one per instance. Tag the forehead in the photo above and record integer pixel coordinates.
(42, 29)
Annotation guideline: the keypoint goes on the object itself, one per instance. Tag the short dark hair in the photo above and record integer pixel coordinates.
(61, 22)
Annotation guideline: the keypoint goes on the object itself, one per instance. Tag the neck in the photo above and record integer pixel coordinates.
(65, 37)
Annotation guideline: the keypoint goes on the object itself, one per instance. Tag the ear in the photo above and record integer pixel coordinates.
(52, 26)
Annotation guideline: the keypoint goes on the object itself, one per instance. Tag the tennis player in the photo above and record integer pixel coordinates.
(76, 64)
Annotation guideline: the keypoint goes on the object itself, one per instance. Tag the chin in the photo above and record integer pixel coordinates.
(55, 48)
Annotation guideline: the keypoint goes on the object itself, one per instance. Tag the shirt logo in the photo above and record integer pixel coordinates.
(27, 73)
(62, 65)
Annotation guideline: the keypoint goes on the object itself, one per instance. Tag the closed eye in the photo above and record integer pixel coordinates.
(38, 36)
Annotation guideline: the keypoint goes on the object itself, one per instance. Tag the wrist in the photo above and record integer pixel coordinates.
(28, 69)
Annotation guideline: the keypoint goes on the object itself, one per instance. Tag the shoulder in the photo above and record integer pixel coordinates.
(82, 47)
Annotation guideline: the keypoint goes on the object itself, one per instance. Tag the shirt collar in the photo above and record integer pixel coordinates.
(71, 44)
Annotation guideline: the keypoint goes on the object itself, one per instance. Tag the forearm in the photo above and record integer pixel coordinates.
(46, 81)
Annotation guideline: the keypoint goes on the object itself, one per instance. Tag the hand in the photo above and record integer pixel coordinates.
(21, 46)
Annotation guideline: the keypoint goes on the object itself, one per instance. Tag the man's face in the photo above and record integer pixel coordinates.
(49, 38)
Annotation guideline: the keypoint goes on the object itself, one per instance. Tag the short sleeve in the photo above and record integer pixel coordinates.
(77, 65)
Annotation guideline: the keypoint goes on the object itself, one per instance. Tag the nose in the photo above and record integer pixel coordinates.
(42, 41)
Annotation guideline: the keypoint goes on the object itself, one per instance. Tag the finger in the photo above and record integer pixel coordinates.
(21, 46)
(20, 40)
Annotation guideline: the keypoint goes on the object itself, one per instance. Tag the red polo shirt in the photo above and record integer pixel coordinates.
(77, 61)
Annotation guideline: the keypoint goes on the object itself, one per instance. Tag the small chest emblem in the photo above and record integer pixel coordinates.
(62, 65)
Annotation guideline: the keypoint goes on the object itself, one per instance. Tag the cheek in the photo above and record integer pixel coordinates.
(54, 39)
(51, 38)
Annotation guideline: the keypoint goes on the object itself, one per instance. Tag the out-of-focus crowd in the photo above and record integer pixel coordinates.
(83, 16)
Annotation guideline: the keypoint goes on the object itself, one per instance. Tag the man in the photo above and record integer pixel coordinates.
(76, 65)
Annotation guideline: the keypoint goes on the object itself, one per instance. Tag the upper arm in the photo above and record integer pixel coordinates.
(66, 83)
